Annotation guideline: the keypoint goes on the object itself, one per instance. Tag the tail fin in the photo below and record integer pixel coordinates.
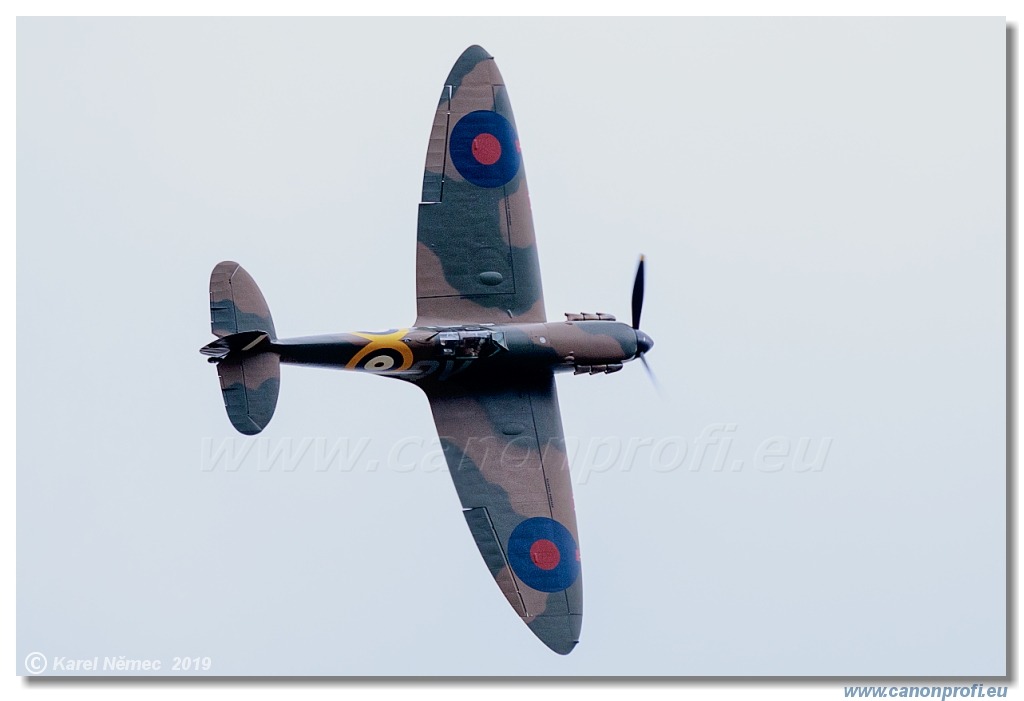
(250, 374)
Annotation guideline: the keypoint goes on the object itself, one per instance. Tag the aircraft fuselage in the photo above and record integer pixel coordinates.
(437, 353)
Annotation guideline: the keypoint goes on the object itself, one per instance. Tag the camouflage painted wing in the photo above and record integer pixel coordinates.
(506, 454)
(476, 258)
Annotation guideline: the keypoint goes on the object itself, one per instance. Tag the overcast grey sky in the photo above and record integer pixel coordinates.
(822, 207)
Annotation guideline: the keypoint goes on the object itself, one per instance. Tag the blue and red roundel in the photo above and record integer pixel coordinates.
(484, 149)
(543, 554)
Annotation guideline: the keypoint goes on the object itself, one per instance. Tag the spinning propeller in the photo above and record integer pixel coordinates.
(643, 341)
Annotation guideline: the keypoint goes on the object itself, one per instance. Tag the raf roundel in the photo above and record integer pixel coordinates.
(543, 554)
(484, 149)
(381, 360)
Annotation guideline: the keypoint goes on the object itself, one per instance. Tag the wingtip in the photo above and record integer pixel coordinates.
(476, 52)
(569, 647)
(465, 63)
(559, 633)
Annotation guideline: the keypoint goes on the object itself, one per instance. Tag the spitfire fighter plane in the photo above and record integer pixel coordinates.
(481, 349)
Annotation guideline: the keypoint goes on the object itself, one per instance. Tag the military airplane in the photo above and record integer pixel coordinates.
(481, 349)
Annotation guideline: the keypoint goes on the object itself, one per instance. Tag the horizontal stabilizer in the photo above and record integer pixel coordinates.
(250, 385)
(236, 303)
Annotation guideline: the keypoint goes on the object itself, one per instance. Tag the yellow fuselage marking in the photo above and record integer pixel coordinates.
(384, 341)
